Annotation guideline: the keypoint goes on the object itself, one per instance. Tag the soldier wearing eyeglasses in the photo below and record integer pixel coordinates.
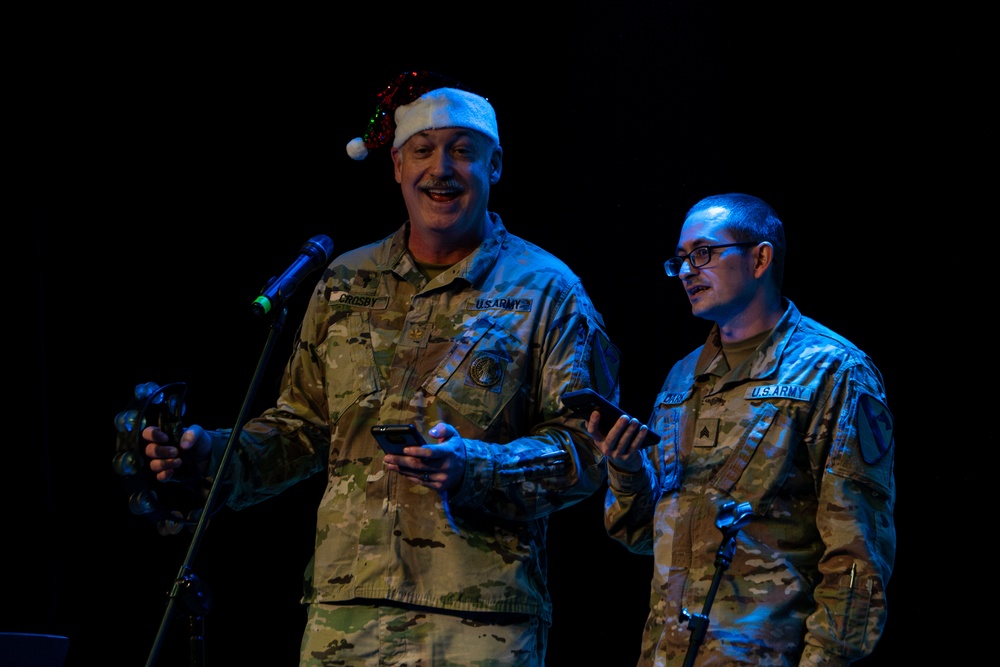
(775, 413)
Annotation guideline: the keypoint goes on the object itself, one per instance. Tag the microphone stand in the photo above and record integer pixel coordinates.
(730, 519)
(188, 590)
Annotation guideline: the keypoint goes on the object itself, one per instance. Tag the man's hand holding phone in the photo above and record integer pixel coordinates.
(584, 401)
(392, 438)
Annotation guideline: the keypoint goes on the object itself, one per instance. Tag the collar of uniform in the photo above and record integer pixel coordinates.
(764, 361)
(481, 261)
(472, 268)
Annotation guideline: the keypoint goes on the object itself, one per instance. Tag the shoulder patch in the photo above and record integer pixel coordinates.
(874, 429)
(605, 362)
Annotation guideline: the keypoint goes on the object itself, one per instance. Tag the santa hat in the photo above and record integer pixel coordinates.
(419, 101)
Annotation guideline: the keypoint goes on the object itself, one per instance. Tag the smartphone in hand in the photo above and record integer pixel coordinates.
(393, 437)
(585, 401)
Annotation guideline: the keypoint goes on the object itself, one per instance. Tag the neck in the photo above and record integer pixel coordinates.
(757, 317)
(444, 246)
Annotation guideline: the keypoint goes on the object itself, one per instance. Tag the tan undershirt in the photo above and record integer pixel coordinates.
(432, 271)
(737, 352)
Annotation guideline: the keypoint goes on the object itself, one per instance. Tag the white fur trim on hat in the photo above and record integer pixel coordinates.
(445, 107)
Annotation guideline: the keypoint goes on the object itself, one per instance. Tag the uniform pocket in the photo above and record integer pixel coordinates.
(766, 445)
(666, 453)
(481, 373)
(350, 362)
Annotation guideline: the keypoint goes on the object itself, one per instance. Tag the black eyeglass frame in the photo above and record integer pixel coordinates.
(680, 259)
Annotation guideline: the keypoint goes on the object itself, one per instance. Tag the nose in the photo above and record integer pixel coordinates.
(442, 164)
(686, 268)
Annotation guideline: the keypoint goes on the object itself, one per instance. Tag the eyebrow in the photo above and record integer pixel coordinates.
(698, 243)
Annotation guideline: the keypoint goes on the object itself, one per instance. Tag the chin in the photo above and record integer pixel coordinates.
(699, 308)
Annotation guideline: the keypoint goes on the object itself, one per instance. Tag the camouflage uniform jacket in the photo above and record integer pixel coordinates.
(801, 431)
(489, 345)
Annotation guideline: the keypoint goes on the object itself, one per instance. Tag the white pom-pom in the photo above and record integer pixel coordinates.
(356, 149)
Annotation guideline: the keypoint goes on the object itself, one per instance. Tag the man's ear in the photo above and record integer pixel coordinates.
(763, 256)
(496, 165)
(397, 160)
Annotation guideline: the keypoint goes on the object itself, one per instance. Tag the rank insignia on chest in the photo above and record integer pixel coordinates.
(415, 334)
(706, 433)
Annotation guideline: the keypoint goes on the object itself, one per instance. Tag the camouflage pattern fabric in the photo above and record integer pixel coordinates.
(375, 635)
(800, 430)
(489, 345)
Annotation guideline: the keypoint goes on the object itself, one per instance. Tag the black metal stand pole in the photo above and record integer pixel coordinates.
(730, 519)
(188, 590)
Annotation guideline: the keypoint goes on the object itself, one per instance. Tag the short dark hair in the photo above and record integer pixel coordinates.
(751, 219)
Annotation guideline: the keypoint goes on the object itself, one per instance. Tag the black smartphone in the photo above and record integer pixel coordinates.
(393, 437)
(584, 401)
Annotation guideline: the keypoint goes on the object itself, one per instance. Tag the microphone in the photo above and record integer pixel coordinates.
(315, 253)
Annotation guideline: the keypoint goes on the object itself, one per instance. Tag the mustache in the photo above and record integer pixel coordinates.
(438, 184)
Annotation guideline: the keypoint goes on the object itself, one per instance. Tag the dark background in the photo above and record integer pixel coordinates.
(175, 162)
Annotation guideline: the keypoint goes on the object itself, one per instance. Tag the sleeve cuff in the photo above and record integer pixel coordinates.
(628, 483)
(814, 656)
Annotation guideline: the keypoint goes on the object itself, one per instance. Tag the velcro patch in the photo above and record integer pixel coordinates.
(605, 362)
(792, 391)
(515, 304)
(706, 432)
(874, 429)
(360, 300)
(673, 398)
(486, 370)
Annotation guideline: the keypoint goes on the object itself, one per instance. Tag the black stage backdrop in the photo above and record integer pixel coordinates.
(176, 162)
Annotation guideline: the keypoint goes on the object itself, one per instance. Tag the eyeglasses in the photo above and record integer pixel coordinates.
(698, 257)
